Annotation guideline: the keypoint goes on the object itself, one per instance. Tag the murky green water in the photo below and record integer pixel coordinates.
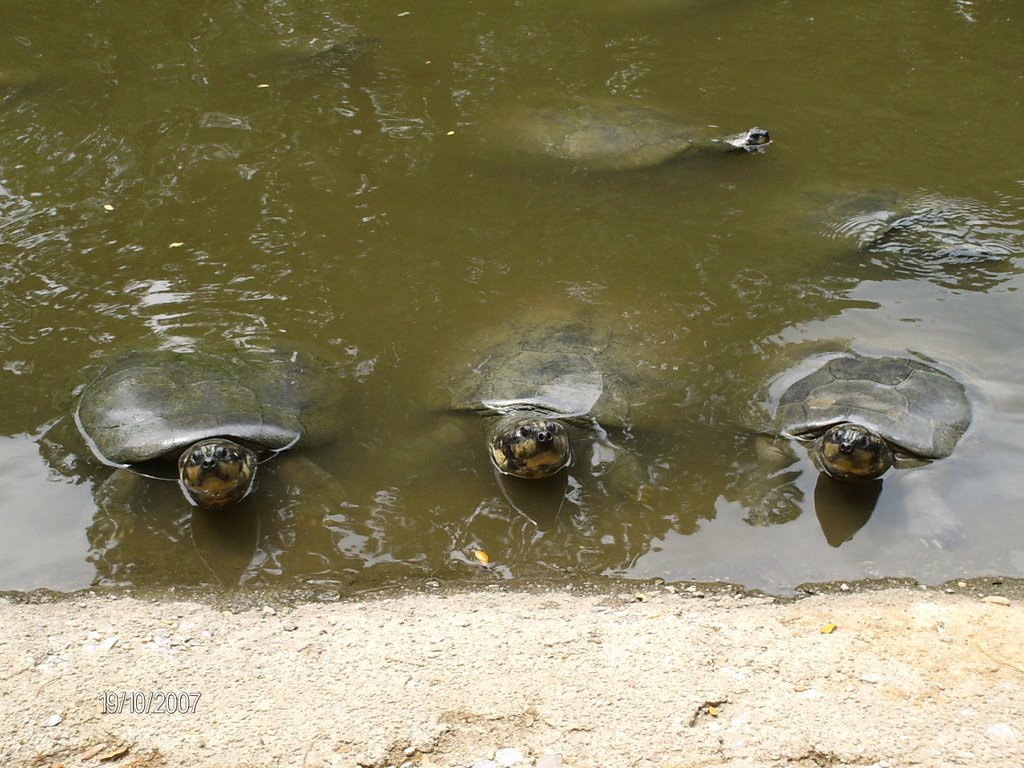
(206, 173)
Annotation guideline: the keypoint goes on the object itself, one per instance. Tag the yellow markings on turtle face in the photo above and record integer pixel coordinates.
(541, 460)
(859, 462)
(481, 556)
(224, 481)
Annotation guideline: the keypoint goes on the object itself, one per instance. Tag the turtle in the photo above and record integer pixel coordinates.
(954, 241)
(536, 383)
(217, 414)
(612, 135)
(860, 416)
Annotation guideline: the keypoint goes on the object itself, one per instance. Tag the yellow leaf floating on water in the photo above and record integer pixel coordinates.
(175, 245)
(828, 629)
(482, 556)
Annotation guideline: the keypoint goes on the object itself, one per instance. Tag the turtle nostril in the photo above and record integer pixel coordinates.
(846, 447)
(544, 437)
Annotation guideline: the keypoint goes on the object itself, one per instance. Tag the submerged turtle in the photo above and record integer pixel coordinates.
(535, 383)
(608, 135)
(859, 416)
(216, 415)
(955, 241)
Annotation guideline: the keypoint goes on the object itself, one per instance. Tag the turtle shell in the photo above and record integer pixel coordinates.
(565, 370)
(918, 409)
(150, 404)
(599, 135)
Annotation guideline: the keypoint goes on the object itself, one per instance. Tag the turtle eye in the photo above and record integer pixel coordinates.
(221, 453)
(525, 432)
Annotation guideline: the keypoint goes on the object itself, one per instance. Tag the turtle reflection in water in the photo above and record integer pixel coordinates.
(543, 390)
(217, 415)
(610, 135)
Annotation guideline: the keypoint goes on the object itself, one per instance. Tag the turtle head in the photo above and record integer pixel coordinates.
(216, 473)
(752, 140)
(530, 447)
(853, 452)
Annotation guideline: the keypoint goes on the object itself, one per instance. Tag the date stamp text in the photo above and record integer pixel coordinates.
(149, 702)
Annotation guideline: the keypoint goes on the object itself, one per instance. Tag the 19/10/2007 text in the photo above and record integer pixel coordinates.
(149, 703)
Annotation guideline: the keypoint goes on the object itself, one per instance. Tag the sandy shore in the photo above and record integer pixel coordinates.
(665, 677)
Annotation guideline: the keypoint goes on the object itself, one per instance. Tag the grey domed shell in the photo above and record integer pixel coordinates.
(572, 369)
(149, 404)
(915, 407)
(602, 135)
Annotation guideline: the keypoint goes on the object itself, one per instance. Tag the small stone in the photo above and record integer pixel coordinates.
(52, 720)
(290, 626)
(485, 764)
(268, 611)
(107, 644)
(549, 760)
(409, 751)
(508, 756)
(871, 677)
(1002, 731)
(91, 752)
(996, 600)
